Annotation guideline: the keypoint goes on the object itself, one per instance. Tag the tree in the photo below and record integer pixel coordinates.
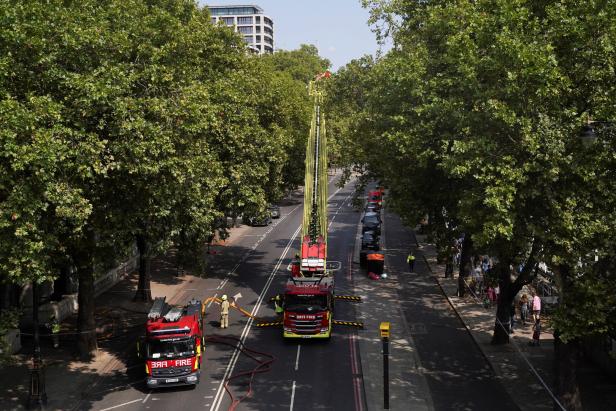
(482, 101)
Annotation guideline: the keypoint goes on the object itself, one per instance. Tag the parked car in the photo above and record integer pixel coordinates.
(371, 222)
(371, 208)
(261, 219)
(370, 241)
(274, 211)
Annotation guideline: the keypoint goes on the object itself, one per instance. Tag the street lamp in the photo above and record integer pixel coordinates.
(37, 396)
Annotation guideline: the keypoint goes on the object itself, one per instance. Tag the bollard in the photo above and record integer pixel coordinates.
(384, 328)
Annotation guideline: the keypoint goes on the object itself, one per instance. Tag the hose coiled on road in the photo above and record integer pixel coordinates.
(263, 365)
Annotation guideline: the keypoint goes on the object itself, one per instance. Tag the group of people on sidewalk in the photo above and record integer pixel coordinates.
(484, 285)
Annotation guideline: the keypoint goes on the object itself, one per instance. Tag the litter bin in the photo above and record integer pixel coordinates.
(375, 263)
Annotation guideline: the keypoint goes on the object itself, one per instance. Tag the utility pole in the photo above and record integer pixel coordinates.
(384, 329)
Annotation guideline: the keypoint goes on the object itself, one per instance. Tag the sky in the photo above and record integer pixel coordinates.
(338, 28)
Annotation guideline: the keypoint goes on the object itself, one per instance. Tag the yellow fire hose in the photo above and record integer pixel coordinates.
(231, 305)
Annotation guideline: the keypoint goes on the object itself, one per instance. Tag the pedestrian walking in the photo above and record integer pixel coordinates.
(536, 332)
(536, 306)
(478, 280)
(410, 259)
(491, 295)
(224, 312)
(524, 309)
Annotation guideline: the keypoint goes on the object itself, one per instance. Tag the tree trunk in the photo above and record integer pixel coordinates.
(86, 326)
(144, 293)
(566, 356)
(503, 308)
(466, 263)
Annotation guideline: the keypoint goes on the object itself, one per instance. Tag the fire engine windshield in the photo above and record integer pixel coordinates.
(305, 303)
(170, 349)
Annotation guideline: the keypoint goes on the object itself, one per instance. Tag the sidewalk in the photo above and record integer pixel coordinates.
(526, 372)
(408, 387)
(507, 361)
(118, 320)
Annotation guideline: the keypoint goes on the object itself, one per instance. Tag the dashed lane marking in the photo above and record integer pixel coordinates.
(121, 405)
(147, 396)
(292, 396)
(297, 357)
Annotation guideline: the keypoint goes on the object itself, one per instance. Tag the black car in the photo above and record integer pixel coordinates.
(274, 211)
(371, 208)
(371, 222)
(370, 241)
(261, 219)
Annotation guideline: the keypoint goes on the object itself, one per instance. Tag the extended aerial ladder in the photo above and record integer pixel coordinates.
(313, 254)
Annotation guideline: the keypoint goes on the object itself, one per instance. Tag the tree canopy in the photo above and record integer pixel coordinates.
(473, 119)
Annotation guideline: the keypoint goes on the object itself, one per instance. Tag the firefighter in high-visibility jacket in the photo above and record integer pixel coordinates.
(224, 312)
(410, 259)
(278, 305)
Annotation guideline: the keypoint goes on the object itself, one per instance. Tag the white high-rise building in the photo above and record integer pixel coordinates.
(249, 20)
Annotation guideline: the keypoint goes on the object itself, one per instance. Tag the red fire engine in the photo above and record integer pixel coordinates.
(376, 198)
(173, 344)
(308, 300)
(308, 307)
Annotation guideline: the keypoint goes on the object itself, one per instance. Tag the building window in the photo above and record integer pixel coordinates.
(248, 39)
(227, 11)
(258, 18)
(258, 29)
(258, 39)
(268, 41)
(213, 20)
(244, 20)
(228, 20)
(268, 31)
(268, 21)
(245, 29)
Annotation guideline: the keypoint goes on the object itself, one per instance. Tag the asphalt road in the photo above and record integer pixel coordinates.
(307, 375)
(457, 373)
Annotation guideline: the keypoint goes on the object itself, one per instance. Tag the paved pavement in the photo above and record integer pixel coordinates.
(525, 371)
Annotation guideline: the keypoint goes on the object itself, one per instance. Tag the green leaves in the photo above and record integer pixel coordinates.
(132, 117)
(472, 119)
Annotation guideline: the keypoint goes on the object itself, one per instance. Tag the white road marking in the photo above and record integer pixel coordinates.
(292, 396)
(123, 404)
(330, 222)
(247, 327)
(146, 397)
(210, 303)
(297, 358)
(254, 246)
(235, 356)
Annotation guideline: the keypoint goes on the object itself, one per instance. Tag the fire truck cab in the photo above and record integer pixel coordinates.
(308, 307)
(173, 345)
(376, 198)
